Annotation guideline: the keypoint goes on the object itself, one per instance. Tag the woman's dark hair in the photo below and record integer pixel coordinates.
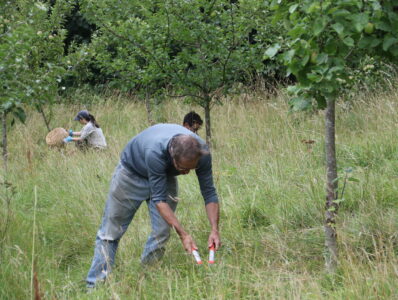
(84, 114)
(92, 120)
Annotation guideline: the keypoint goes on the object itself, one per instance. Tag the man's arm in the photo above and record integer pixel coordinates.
(158, 185)
(213, 214)
(205, 177)
(168, 215)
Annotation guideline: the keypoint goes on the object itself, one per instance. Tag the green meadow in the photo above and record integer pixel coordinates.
(272, 190)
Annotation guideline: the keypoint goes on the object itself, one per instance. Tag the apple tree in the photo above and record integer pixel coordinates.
(325, 39)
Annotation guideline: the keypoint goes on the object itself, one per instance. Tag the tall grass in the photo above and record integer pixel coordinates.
(271, 187)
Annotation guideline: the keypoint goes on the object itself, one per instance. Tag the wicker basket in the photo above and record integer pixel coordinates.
(55, 137)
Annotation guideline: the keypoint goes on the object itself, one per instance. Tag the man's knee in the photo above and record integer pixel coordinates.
(162, 234)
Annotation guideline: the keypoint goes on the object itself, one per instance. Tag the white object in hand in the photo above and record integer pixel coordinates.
(212, 253)
(195, 254)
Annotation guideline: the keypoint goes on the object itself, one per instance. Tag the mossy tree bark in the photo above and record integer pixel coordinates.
(207, 120)
(149, 111)
(331, 189)
(4, 141)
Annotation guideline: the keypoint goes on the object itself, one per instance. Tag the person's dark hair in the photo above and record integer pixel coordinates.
(92, 120)
(192, 118)
(84, 114)
(186, 147)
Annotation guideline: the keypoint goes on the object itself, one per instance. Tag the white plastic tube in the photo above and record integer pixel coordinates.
(195, 254)
(212, 254)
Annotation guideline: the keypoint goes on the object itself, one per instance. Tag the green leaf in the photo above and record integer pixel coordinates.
(315, 77)
(331, 46)
(348, 41)
(293, 8)
(319, 25)
(288, 56)
(20, 114)
(321, 102)
(339, 28)
(394, 51)
(375, 43)
(300, 103)
(388, 42)
(360, 21)
(365, 42)
(353, 179)
(314, 7)
(305, 60)
(322, 58)
(340, 12)
(7, 106)
(297, 31)
(272, 51)
(336, 69)
(338, 201)
(275, 4)
(383, 26)
(293, 89)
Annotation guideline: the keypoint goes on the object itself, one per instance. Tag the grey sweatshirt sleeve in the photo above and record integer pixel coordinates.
(205, 176)
(87, 130)
(156, 176)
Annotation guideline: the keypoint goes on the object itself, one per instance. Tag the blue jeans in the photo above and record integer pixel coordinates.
(127, 192)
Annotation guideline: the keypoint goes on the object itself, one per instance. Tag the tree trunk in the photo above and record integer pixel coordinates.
(47, 122)
(207, 121)
(5, 150)
(331, 258)
(149, 110)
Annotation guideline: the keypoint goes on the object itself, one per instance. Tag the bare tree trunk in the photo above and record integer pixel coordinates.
(207, 121)
(47, 122)
(331, 258)
(7, 185)
(5, 150)
(149, 110)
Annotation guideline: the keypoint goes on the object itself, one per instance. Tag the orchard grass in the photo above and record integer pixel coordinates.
(271, 186)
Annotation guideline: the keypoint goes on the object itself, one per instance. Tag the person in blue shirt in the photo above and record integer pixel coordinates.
(147, 173)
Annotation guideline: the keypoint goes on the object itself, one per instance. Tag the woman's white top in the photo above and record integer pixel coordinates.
(93, 135)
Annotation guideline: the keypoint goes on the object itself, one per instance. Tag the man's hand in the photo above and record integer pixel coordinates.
(169, 216)
(188, 243)
(214, 239)
(212, 210)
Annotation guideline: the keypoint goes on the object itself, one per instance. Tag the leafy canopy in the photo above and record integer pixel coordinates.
(326, 38)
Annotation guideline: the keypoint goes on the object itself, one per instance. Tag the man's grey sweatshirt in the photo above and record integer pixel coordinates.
(147, 155)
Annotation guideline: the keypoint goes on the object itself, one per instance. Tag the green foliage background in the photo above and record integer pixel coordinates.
(270, 182)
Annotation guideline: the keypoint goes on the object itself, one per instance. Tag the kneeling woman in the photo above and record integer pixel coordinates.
(91, 135)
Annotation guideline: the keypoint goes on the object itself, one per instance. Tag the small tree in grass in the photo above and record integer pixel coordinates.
(14, 53)
(325, 39)
(212, 50)
(31, 50)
